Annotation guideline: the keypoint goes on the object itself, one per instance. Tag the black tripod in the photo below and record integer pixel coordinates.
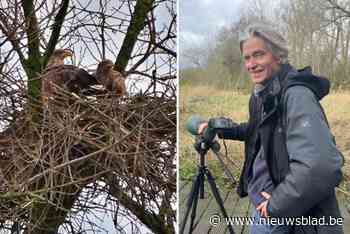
(197, 190)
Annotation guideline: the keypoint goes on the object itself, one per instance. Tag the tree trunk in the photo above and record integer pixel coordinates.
(137, 23)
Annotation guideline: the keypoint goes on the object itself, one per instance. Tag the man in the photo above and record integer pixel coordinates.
(292, 165)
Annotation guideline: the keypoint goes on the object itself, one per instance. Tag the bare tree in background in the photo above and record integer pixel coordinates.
(56, 163)
(317, 32)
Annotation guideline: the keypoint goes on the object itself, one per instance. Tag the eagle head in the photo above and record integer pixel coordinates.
(58, 56)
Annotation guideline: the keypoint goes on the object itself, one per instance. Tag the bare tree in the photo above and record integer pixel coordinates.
(316, 30)
(318, 36)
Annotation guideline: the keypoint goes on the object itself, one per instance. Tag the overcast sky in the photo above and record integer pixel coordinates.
(200, 20)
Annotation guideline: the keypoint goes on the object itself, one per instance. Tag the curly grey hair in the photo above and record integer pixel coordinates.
(274, 41)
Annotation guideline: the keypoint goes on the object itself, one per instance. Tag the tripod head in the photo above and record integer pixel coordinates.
(205, 140)
(202, 145)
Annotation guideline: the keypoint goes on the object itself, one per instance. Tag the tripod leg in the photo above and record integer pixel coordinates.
(196, 197)
(218, 199)
(193, 195)
(201, 185)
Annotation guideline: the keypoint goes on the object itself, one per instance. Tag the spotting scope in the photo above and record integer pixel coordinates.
(214, 125)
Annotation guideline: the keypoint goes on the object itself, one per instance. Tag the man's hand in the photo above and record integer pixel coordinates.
(201, 127)
(262, 207)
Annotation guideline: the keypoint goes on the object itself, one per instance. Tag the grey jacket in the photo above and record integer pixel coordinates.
(314, 164)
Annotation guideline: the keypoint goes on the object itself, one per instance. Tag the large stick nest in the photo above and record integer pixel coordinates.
(128, 143)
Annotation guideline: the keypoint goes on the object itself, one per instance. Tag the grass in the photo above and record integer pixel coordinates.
(209, 102)
(337, 108)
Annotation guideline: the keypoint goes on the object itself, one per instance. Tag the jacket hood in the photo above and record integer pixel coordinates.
(319, 85)
(287, 77)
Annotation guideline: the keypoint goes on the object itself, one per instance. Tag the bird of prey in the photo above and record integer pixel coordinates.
(58, 56)
(69, 77)
(111, 79)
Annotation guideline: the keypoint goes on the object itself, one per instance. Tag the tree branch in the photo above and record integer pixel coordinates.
(32, 27)
(11, 37)
(33, 64)
(335, 5)
(137, 23)
(151, 220)
(56, 29)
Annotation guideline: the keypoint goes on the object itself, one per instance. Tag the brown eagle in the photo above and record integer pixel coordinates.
(111, 79)
(58, 56)
(69, 77)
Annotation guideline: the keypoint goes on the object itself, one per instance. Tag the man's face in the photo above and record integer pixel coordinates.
(258, 61)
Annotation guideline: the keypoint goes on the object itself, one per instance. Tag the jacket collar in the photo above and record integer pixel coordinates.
(273, 86)
(270, 95)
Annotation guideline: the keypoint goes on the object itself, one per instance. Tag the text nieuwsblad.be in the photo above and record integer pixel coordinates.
(303, 221)
(299, 221)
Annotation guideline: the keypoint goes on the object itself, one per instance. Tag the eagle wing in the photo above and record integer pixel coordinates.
(69, 77)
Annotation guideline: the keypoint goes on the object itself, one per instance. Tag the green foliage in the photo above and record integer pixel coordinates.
(187, 169)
